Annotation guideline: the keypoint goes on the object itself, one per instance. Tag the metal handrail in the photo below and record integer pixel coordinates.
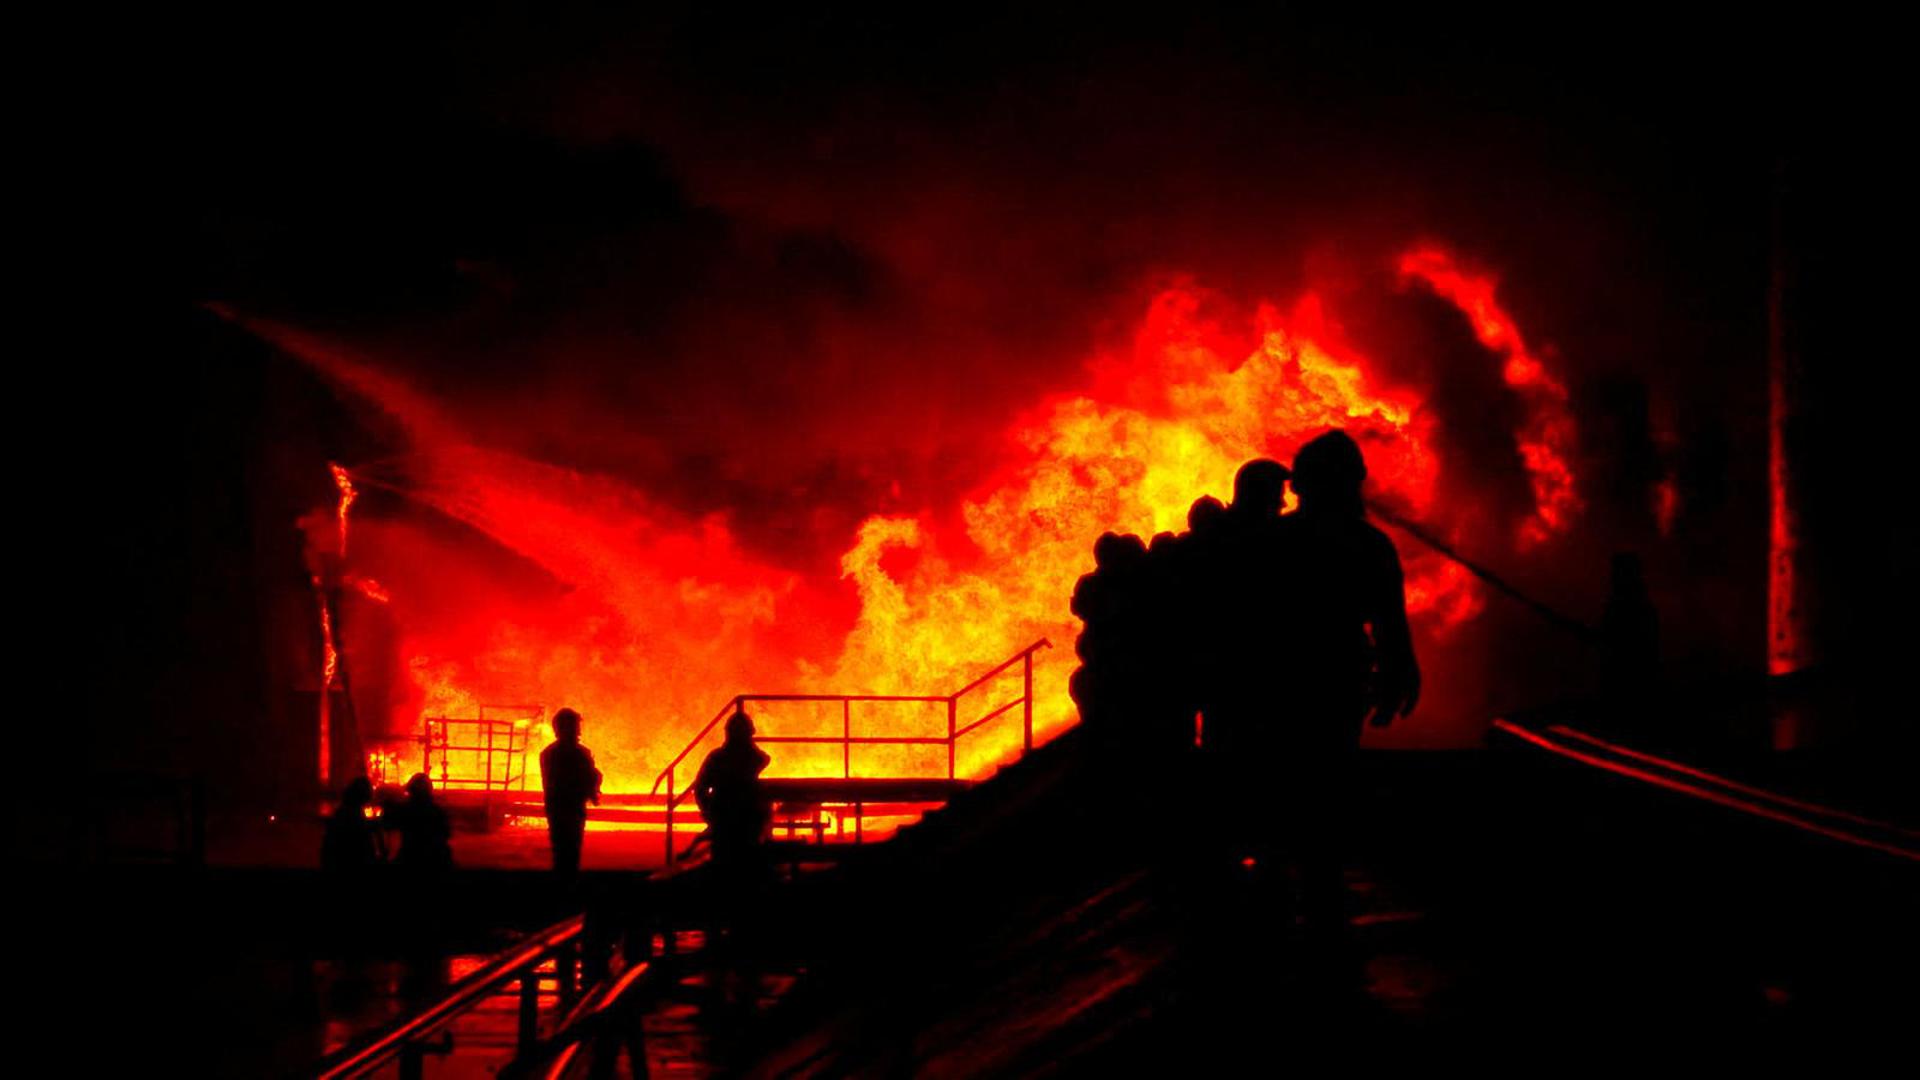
(389, 1042)
(847, 740)
(737, 700)
(593, 1008)
(1730, 784)
(1023, 654)
(1733, 799)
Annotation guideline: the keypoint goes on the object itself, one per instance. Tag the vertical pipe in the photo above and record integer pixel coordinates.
(328, 658)
(953, 705)
(1792, 625)
(529, 1007)
(566, 969)
(669, 852)
(846, 739)
(487, 803)
(1788, 645)
(634, 1025)
(1027, 708)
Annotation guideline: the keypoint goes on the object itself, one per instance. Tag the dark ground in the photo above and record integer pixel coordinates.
(1509, 910)
(1505, 906)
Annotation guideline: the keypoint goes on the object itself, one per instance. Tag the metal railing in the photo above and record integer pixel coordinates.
(603, 1023)
(496, 749)
(1886, 837)
(847, 740)
(406, 1040)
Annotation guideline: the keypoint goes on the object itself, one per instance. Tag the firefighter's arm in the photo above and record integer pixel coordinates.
(1398, 689)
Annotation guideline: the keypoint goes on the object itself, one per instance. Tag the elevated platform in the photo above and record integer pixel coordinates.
(836, 791)
(798, 801)
(873, 796)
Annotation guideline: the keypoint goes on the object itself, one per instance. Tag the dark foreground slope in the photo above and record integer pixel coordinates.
(1504, 905)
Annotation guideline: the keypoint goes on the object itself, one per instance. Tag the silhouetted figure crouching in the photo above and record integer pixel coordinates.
(350, 852)
(568, 781)
(426, 836)
(351, 846)
(425, 862)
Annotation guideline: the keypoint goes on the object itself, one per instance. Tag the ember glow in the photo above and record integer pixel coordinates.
(329, 669)
(656, 618)
(345, 483)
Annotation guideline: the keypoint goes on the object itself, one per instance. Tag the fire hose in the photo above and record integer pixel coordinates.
(1565, 622)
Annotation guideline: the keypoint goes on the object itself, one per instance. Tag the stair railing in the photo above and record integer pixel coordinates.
(847, 740)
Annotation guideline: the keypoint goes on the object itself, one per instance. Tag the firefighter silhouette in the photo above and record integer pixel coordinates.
(730, 796)
(568, 782)
(1286, 633)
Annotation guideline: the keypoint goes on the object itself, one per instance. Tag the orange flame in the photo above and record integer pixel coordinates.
(663, 617)
(1090, 465)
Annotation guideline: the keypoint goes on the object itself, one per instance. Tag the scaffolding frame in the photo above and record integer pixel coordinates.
(494, 745)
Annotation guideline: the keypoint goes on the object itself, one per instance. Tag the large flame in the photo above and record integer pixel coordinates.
(660, 617)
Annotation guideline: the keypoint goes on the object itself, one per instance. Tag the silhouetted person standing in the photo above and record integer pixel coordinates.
(1349, 656)
(350, 846)
(1113, 607)
(1187, 611)
(1239, 573)
(426, 837)
(569, 781)
(1193, 611)
(737, 811)
(1160, 729)
(730, 797)
(1240, 569)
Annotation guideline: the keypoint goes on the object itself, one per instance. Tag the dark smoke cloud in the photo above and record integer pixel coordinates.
(805, 271)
